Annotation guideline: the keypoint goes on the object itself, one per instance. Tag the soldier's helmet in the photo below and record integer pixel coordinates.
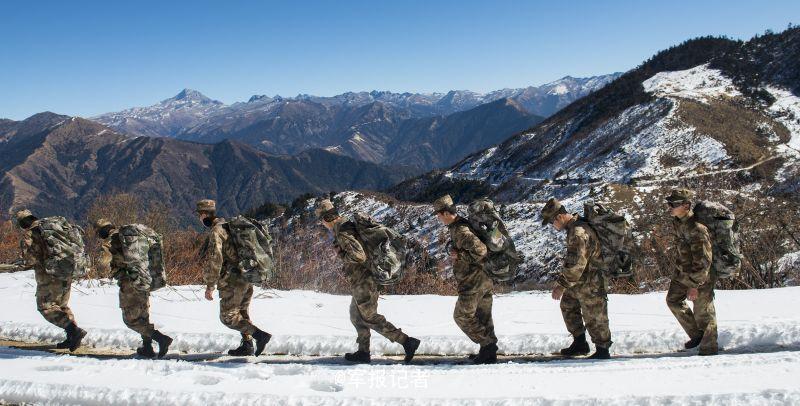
(680, 196)
(24, 216)
(443, 203)
(550, 211)
(323, 207)
(206, 205)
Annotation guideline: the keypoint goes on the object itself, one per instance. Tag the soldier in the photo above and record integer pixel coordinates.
(133, 299)
(364, 290)
(693, 278)
(473, 311)
(52, 293)
(235, 292)
(580, 286)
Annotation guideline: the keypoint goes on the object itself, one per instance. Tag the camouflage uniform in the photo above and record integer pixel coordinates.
(52, 294)
(364, 304)
(693, 270)
(585, 299)
(235, 292)
(473, 311)
(134, 303)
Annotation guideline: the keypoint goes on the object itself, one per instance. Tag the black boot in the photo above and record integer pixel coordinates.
(579, 346)
(487, 355)
(262, 338)
(146, 350)
(244, 350)
(74, 335)
(65, 344)
(600, 353)
(358, 357)
(693, 342)
(410, 347)
(163, 343)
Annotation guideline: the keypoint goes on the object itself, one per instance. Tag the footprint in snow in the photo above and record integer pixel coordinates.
(207, 380)
(48, 368)
(325, 386)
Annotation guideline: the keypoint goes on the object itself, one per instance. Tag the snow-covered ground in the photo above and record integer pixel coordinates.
(759, 330)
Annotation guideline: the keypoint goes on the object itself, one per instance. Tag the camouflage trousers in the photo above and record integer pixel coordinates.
(473, 313)
(135, 305)
(235, 294)
(364, 312)
(585, 307)
(52, 299)
(701, 321)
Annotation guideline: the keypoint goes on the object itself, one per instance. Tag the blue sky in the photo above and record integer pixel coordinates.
(85, 58)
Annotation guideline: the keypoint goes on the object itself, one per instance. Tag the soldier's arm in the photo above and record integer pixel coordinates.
(577, 258)
(700, 247)
(29, 250)
(466, 240)
(351, 249)
(104, 262)
(213, 256)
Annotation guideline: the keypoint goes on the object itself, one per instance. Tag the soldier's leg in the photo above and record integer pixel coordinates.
(594, 307)
(484, 315)
(135, 305)
(362, 330)
(706, 317)
(245, 308)
(571, 312)
(465, 316)
(52, 298)
(365, 295)
(232, 292)
(676, 301)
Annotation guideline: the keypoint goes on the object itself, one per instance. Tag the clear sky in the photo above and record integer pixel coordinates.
(85, 58)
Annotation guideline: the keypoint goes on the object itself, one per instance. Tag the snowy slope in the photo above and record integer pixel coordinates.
(759, 364)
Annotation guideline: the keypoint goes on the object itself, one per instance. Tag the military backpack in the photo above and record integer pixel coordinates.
(615, 236)
(64, 249)
(142, 253)
(723, 229)
(253, 245)
(502, 259)
(387, 250)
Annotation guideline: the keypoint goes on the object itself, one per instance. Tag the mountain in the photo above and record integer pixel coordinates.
(57, 164)
(371, 126)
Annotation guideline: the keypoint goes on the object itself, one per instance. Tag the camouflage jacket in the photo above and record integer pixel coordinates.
(693, 245)
(350, 250)
(218, 256)
(470, 252)
(32, 253)
(583, 251)
(111, 258)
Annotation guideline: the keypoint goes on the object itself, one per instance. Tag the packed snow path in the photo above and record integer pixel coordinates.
(758, 329)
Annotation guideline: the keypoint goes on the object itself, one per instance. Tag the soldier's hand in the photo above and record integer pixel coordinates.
(692, 294)
(209, 293)
(558, 291)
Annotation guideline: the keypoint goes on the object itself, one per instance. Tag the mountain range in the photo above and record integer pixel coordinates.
(422, 131)
(56, 164)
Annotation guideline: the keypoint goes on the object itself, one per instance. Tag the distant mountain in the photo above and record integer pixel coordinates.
(364, 125)
(59, 165)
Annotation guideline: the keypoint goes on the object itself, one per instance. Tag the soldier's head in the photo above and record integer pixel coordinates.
(327, 213)
(445, 210)
(103, 228)
(679, 202)
(25, 219)
(207, 211)
(554, 213)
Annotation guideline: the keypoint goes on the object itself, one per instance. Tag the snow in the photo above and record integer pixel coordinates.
(699, 83)
(786, 108)
(760, 343)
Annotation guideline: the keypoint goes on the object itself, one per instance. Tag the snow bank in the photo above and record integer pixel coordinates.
(699, 83)
(309, 323)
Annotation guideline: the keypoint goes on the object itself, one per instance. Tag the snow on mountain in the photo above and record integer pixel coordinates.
(313, 330)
